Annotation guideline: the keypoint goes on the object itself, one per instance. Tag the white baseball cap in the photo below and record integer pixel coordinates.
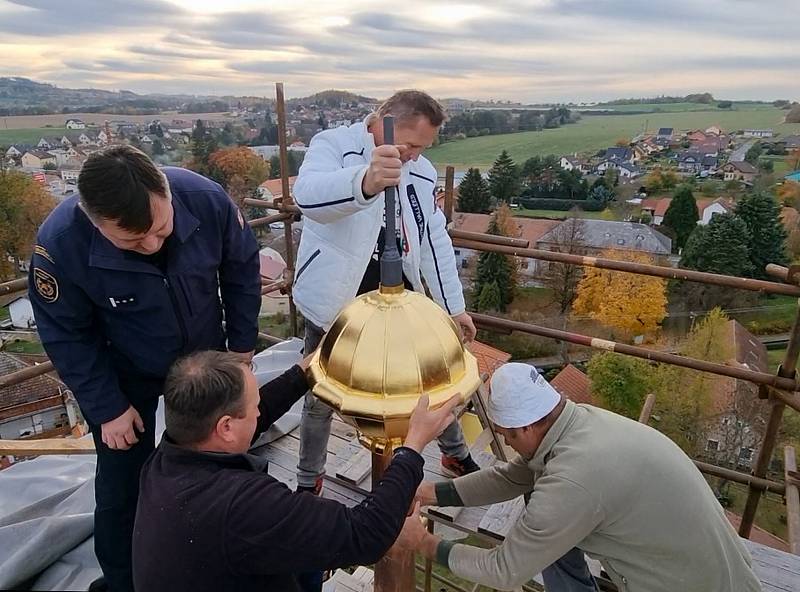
(520, 396)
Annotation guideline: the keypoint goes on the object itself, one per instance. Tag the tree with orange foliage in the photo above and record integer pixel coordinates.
(631, 303)
(24, 204)
(240, 169)
(789, 193)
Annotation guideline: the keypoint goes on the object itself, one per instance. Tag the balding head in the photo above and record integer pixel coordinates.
(199, 390)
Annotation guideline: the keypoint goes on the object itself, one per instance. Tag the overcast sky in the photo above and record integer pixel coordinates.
(527, 50)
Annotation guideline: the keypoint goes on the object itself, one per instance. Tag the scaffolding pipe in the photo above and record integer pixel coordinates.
(286, 198)
(743, 478)
(13, 286)
(449, 181)
(257, 203)
(671, 273)
(792, 500)
(279, 217)
(788, 384)
(25, 374)
(489, 239)
(273, 287)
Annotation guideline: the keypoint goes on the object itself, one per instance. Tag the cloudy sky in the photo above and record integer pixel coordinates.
(528, 50)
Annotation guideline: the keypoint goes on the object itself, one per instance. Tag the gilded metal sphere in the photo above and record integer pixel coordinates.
(384, 351)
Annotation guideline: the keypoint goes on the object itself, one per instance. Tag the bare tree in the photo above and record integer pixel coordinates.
(561, 278)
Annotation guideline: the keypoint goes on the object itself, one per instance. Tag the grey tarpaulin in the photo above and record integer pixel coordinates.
(47, 504)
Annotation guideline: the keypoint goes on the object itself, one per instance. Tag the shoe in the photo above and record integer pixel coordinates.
(315, 490)
(99, 585)
(454, 467)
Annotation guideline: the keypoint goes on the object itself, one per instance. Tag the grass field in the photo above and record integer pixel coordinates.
(684, 107)
(595, 132)
(27, 136)
(560, 215)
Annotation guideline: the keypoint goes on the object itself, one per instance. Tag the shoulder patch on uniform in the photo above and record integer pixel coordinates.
(46, 285)
(42, 252)
(241, 218)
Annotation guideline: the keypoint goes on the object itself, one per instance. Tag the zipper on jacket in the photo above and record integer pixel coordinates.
(306, 264)
(177, 310)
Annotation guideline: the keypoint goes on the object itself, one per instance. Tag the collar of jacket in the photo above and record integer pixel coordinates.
(557, 430)
(367, 139)
(222, 459)
(104, 254)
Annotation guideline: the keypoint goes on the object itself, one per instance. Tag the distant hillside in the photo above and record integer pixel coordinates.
(22, 96)
(331, 98)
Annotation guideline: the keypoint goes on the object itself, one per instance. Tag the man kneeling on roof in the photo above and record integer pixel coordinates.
(211, 518)
(599, 484)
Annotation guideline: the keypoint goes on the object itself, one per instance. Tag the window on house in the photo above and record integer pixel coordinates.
(712, 445)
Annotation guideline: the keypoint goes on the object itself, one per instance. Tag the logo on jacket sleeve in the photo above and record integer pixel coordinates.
(416, 209)
(46, 285)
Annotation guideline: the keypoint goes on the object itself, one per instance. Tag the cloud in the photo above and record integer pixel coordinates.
(532, 50)
(43, 18)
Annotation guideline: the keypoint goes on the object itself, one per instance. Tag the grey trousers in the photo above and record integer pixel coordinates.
(569, 574)
(315, 428)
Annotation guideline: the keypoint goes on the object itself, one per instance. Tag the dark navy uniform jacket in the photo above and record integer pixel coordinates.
(113, 323)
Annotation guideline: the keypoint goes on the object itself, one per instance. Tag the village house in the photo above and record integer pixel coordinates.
(706, 208)
(530, 229)
(665, 133)
(738, 420)
(597, 236)
(273, 188)
(50, 142)
(573, 163)
(21, 313)
(739, 171)
(694, 162)
(628, 171)
(37, 159)
(39, 407)
(757, 133)
(74, 124)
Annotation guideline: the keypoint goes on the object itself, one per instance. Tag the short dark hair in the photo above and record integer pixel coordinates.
(407, 104)
(199, 389)
(116, 183)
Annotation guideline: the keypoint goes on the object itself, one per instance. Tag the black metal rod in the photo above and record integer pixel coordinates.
(391, 263)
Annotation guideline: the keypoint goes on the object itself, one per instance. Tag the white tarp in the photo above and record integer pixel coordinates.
(47, 504)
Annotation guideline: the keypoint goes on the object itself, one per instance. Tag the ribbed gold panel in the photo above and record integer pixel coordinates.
(382, 352)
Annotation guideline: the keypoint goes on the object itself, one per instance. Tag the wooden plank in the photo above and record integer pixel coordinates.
(357, 468)
(446, 513)
(480, 398)
(792, 501)
(482, 441)
(47, 446)
(778, 571)
(501, 517)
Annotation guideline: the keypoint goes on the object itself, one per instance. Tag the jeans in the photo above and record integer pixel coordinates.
(116, 491)
(569, 574)
(315, 428)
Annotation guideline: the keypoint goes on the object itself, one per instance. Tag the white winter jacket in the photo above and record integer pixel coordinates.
(341, 227)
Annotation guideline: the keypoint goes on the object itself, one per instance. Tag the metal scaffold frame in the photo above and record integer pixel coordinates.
(777, 391)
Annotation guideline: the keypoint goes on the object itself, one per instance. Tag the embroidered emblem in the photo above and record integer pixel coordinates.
(46, 285)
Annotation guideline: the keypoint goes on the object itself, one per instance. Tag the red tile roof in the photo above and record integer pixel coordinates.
(275, 186)
(530, 229)
(29, 391)
(660, 206)
(489, 358)
(574, 385)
